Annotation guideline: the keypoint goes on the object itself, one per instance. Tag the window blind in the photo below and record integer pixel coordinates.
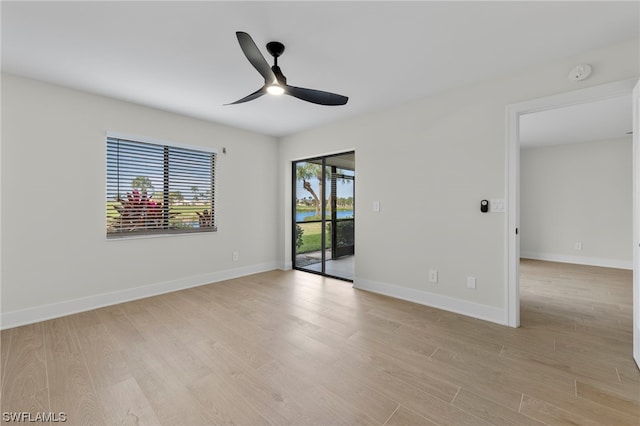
(158, 189)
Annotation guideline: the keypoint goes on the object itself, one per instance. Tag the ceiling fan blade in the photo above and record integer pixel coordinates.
(273, 75)
(316, 96)
(254, 56)
(255, 95)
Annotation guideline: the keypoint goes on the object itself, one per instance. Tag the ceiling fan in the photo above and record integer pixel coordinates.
(275, 82)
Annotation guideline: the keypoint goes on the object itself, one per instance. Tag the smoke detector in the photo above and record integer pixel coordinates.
(580, 72)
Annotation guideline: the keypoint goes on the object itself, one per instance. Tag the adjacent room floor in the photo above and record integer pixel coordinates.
(296, 348)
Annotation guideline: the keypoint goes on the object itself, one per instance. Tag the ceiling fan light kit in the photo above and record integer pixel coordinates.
(275, 89)
(275, 83)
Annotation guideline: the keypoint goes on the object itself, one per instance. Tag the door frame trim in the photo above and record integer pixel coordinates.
(636, 222)
(512, 222)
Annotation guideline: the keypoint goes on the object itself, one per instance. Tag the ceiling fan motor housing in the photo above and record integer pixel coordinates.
(275, 48)
(279, 76)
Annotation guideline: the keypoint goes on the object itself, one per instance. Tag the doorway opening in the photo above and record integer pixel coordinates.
(323, 211)
(576, 254)
(513, 223)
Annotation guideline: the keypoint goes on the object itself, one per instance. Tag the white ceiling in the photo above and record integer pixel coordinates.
(605, 119)
(184, 56)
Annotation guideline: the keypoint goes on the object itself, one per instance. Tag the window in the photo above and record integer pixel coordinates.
(155, 188)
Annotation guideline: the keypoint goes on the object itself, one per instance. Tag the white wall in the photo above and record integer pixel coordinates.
(55, 257)
(580, 192)
(429, 163)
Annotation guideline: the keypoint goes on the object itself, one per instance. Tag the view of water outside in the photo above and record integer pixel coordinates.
(340, 214)
(311, 187)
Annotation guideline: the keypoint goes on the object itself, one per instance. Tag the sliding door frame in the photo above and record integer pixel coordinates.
(323, 209)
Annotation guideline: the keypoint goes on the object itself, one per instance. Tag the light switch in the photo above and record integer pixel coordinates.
(496, 205)
(471, 282)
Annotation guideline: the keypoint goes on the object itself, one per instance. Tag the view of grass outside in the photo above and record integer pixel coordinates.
(312, 237)
(181, 216)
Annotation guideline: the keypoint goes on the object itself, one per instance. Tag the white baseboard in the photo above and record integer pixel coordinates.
(286, 266)
(463, 307)
(578, 260)
(55, 310)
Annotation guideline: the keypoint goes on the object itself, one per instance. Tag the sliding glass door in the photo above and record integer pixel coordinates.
(324, 215)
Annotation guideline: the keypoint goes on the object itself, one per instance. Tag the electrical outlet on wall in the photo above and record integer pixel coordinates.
(433, 276)
(235, 256)
(577, 246)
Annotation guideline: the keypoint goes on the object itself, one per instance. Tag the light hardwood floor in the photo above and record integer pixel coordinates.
(293, 348)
